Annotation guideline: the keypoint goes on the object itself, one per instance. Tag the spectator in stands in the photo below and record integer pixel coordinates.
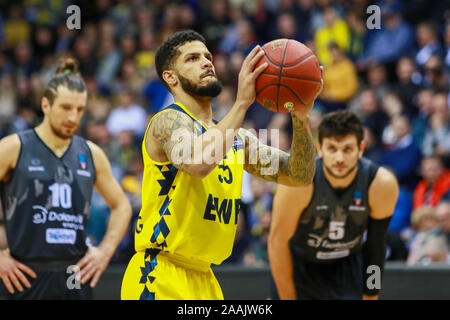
(127, 116)
(127, 47)
(145, 54)
(392, 105)
(394, 40)
(340, 80)
(373, 149)
(368, 108)
(402, 156)
(447, 48)
(109, 59)
(156, 93)
(256, 254)
(84, 53)
(443, 219)
(334, 30)
(239, 37)
(401, 218)
(242, 241)
(437, 135)
(43, 43)
(377, 79)
(434, 76)
(428, 43)
(427, 245)
(223, 103)
(357, 30)
(7, 101)
(406, 86)
(25, 64)
(420, 123)
(287, 28)
(215, 23)
(435, 183)
(17, 30)
(303, 10)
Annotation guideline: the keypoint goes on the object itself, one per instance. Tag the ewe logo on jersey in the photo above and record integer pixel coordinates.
(223, 209)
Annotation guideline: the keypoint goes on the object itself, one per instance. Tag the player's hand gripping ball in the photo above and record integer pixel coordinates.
(292, 78)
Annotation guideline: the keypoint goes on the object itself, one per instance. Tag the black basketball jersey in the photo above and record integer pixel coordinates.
(46, 201)
(332, 225)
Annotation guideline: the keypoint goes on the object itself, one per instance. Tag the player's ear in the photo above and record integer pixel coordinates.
(362, 147)
(319, 149)
(170, 77)
(45, 105)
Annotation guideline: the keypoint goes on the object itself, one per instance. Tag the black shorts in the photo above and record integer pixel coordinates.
(52, 282)
(338, 279)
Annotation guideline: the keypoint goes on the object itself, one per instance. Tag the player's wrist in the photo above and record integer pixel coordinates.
(241, 105)
(107, 249)
(301, 116)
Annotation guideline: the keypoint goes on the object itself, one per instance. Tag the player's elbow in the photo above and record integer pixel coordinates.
(123, 207)
(303, 180)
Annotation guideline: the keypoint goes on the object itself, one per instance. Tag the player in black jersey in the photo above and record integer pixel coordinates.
(47, 176)
(327, 240)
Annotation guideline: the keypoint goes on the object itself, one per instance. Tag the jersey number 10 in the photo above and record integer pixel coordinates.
(61, 195)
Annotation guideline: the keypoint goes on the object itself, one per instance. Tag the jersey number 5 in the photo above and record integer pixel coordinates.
(336, 230)
(224, 167)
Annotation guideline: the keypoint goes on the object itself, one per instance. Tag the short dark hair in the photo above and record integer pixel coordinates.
(339, 124)
(168, 51)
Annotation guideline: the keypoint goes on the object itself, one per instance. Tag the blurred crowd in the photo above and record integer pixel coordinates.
(395, 77)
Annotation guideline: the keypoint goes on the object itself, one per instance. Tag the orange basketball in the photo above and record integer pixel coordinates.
(291, 78)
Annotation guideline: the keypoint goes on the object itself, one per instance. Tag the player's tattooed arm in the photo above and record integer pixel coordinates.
(194, 154)
(168, 129)
(275, 165)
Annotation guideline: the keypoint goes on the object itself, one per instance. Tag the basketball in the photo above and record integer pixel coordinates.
(291, 78)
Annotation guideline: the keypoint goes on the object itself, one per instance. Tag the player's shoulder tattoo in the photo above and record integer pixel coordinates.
(168, 128)
(166, 122)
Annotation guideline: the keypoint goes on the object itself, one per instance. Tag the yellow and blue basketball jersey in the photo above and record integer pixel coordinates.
(188, 216)
(185, 224)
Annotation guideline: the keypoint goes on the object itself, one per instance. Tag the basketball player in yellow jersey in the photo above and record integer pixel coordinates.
(190, 203)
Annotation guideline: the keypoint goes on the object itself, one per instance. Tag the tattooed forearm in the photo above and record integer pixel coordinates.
(301, 166)
(275, 165)
(263, 161)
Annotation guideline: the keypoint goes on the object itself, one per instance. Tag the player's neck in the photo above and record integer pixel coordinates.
(200, 107)
(57, 144)
(340, 183)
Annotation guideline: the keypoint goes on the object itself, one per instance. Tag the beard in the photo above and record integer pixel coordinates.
(211, 90)
(342, 176)
(60, 133)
